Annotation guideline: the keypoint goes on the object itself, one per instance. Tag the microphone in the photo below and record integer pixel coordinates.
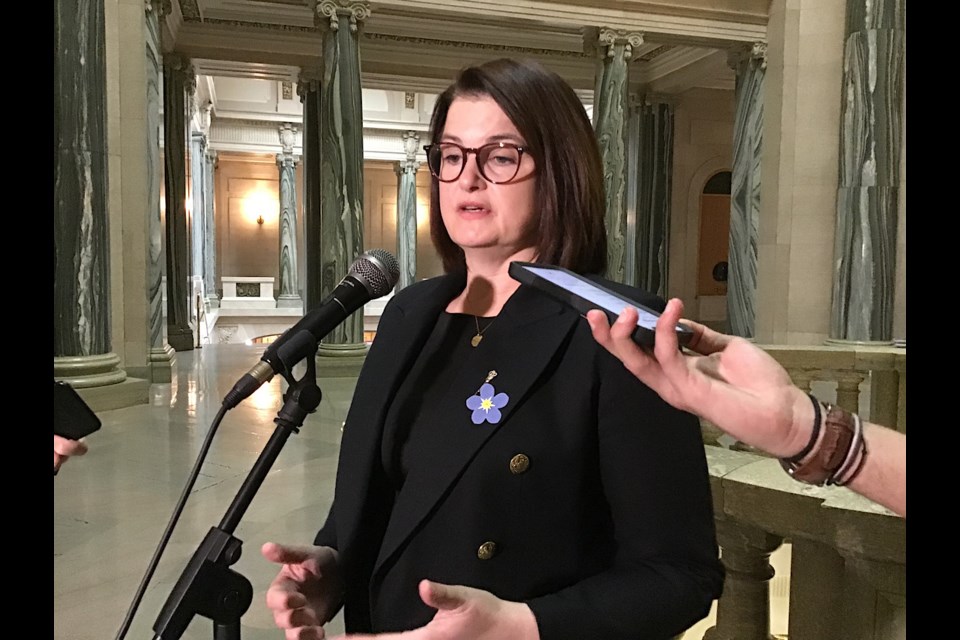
(372, 275)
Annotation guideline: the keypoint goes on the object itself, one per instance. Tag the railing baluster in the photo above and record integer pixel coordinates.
(743, 611)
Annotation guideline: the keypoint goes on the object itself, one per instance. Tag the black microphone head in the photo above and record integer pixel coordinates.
(378, 270)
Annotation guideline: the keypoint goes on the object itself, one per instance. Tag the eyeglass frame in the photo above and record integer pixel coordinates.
(476, 152)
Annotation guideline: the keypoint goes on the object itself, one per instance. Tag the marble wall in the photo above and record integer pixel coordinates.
(703, 145)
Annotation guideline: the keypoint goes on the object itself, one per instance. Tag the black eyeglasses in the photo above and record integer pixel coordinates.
(498, 162)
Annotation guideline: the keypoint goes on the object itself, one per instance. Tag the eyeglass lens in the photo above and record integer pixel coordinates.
(498, 161)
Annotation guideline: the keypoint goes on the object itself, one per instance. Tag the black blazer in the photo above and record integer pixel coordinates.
(606, 532)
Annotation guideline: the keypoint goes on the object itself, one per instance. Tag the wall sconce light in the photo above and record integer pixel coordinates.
(260, 219)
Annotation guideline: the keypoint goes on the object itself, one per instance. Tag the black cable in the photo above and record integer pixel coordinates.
(178, 510)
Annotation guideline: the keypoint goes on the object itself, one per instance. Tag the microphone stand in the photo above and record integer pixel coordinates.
(208, 586)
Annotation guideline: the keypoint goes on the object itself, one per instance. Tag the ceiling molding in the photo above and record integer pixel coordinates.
(480, 46)
(709, 72)
(420, 45)
(256, 71)
(703, 25)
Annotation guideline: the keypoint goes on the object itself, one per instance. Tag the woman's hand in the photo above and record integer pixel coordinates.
(307, 592)
(465, 613)
(732, 383)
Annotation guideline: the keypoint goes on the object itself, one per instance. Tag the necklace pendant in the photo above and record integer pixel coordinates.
(475, 340)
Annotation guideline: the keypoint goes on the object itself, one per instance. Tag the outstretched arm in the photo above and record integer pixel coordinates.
(744, 391)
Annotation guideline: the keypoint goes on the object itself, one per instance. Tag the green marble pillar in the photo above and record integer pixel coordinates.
(81, 286)
(610, 122)
(750, 68)
(289, 288)
(308, 88)
(653, 176)
(161, 356)
(178, 78)
(407, 210)
(341, 160)
(870, 137)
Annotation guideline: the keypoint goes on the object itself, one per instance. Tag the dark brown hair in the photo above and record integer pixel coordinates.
(569, 193)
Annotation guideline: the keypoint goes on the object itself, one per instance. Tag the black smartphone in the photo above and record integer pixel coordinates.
(72, 417)
(584, 294)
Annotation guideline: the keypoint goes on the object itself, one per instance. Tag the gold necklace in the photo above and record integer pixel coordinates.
(475, 340)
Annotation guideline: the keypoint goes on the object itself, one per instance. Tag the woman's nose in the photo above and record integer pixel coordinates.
(470, 177)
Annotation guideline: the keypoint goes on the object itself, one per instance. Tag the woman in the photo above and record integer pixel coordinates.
(491, 442)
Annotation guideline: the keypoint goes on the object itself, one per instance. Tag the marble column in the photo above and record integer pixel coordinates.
(341, 160)
(178, 79)
(865, 240)
(210, 239)
(308, 88)
(750, 69)
(161, 354)
(81, 287)
(653, 174)
(289, 287)
(610, 122)
(407, 210)
(198, 232)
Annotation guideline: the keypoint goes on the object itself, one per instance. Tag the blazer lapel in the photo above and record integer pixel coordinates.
(534, 328)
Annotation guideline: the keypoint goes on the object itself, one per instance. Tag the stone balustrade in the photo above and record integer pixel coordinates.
(884, 367)
(848, 554)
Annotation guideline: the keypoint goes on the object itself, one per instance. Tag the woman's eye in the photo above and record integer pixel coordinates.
(452, 157)
(504, 158)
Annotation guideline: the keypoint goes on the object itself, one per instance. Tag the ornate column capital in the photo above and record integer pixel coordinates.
(211, 156)
(182, 69)
(161, 7)
(756, 51)
(288, 137)
(411, 140)
(308, 81)
(329, 12)
(204, 113)
(759, 53)
(608, 38)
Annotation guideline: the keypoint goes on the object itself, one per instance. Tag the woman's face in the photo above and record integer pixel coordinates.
(481, 216)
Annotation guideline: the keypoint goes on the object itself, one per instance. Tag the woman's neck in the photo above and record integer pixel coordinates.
(489, 284)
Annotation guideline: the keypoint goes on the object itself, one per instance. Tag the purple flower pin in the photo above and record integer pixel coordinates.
(486, 404)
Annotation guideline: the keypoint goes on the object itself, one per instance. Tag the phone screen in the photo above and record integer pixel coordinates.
(600, 297)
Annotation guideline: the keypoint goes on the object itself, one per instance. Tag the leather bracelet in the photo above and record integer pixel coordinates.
(840, 429)
(813, 436)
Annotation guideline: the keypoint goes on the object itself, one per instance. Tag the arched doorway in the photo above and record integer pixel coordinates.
(714, 235)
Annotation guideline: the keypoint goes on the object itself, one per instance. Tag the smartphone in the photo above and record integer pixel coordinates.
(584, 294)
(72, 417)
